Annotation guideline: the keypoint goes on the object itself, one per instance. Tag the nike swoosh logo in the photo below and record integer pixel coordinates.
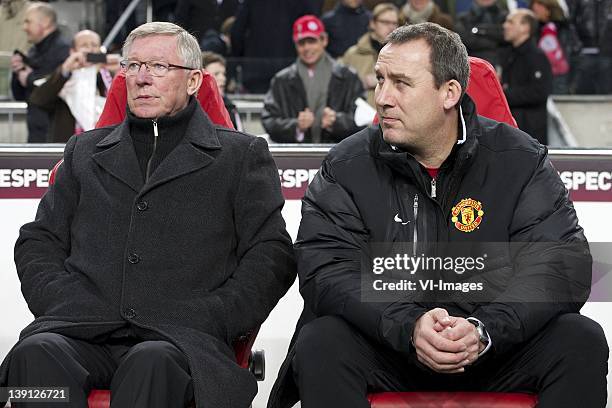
(398, 219)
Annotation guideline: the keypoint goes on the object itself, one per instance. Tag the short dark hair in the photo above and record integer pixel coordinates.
(447, 54)
(209, 57)
(529, 17)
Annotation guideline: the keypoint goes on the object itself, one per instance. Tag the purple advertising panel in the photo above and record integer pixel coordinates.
(586, 174)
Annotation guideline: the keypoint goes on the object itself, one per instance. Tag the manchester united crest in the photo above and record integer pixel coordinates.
(467, 215)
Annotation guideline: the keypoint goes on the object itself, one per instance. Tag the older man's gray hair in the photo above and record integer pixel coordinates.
(188, 47)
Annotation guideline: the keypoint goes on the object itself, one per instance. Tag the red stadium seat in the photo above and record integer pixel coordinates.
(486, 92)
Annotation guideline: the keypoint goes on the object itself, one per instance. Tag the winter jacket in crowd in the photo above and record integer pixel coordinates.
(345, 26)
(481, 30)
(43, 58)
(286, 98)
(527, 82)
(362, 57)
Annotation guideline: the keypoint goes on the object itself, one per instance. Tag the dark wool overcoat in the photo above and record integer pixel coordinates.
(197, 255)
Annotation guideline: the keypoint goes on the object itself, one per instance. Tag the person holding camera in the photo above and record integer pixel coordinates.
(47, 53)
(74, 94)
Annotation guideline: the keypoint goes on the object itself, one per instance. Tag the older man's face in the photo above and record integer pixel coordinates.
(34, 25)
(87, 41)
(153, 97)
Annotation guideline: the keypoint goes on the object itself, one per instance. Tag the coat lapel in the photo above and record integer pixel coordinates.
(191, 154)
(118, 157)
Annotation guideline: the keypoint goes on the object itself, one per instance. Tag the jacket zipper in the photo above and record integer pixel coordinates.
(433, 188)
(155, 135)
(415, 207)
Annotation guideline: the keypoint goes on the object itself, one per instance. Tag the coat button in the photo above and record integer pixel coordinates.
(142, 206)
(133, 258)
(129, 313)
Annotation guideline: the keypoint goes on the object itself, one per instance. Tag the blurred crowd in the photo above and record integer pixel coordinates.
(537, 47)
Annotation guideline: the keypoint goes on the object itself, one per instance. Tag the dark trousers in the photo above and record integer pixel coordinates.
(148, 374)
(565, 365)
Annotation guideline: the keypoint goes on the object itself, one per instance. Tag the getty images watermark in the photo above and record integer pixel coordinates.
(476, 272)
(409, 264)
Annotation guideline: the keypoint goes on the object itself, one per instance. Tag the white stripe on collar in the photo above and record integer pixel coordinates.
(463, 130)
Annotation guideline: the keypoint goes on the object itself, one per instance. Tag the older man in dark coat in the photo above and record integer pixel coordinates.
(160, 242)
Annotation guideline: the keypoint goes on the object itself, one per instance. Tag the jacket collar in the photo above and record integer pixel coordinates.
(461, 156)
(526, 46)
(117, 156)
(364, 45)
(47, 42)
(337, 70)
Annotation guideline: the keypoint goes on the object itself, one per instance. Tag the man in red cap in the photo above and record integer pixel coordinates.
(312, 100)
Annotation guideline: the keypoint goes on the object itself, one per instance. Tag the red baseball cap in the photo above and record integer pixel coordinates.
(307, 26)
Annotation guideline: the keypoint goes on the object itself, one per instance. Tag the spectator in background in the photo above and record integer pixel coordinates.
(199, 16)
(526, 75)
(163, 10)
(74, 94)
(362, 56)
(219, 42)
(423, 11)
(347, 22)
(313, 100)
(555, 39)
(12, 13)
(593, 22)
(481, 30)
(261, 36)
(216, 65)
(50, 49)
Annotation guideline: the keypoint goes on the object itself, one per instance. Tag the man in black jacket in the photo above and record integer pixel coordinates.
(526, 75)
(592, 20)
(159, 244)
(481, 30)
(348, 21)
(49, 51)
(312, 100)
(434, 179)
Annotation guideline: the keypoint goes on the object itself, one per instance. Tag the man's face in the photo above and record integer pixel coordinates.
(217, 70)
(514, 28)
(310, 50)
(384, 24)
(409, 105)
(34, 25)
(153, 97)
(87, 41)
